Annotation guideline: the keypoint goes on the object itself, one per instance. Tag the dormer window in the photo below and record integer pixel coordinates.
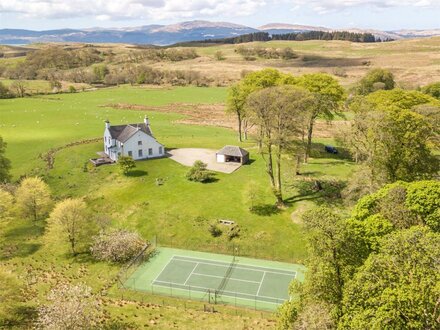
(139, 143)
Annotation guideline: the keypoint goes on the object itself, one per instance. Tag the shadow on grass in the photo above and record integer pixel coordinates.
(265, 209)
(322, 61)
(318, 151)
(328, 192)
(137, 173)
(249, 162)
(211, 180)
(20, 317)
(18, 239)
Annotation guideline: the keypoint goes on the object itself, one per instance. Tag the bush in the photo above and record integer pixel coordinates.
(199, 173)
(117, 245)
(126, 163)
(215, 230)
(233, 232)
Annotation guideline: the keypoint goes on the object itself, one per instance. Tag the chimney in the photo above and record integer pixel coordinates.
(107, 124)
(146, 121)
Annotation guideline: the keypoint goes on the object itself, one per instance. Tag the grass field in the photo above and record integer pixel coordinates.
(414, 62)
(178, 212)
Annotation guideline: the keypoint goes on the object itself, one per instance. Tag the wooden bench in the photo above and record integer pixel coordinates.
(226, 222)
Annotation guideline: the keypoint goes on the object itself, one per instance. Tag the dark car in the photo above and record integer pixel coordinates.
(331, 149)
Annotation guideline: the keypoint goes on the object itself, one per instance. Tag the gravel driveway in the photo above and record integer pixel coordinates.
(187, 157)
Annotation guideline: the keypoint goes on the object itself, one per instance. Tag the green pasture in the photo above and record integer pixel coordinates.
(179, 212)
(32, 126)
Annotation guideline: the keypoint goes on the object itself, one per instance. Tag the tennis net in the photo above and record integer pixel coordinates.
(225, 279)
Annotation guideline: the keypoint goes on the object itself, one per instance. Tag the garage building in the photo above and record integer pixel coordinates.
(232, 154)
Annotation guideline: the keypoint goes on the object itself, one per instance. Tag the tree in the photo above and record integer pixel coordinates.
(329, 259)
(18, 87)
(398, 98)
(71, 215)
(328, 94)
(11, 297)
(398, 287)
(199, 172)
(239, 93)
(235, 104)
(277, 114)
(71, 307)
(374, 80)
(392, 142)
(403, 205)
(117, 245)
(33, 198)
(126, 163)
(5, 163)
(6, 204)
(433, 90)
(4, 92)
(100, 71)
(55, 85)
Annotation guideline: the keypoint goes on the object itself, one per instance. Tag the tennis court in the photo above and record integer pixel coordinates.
(216, 278)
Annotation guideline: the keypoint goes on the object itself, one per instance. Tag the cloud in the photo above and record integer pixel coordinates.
(130, 9)
(324, 6)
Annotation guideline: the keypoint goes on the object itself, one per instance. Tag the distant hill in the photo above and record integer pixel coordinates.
(180, 32)
(277, 28)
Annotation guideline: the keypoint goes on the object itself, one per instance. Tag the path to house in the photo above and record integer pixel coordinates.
(187, 157)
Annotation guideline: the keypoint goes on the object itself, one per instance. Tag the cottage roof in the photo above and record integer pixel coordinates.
(123, 132)
(233, 151)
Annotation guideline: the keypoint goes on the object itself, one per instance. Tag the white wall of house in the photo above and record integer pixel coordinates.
(221, 158)
(142, 146)
(138, 146)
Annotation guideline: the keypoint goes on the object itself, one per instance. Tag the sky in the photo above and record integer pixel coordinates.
(375, 14)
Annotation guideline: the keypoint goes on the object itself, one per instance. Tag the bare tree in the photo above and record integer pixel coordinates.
(18, 88)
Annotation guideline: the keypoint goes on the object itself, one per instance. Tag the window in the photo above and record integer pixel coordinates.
(130, 153)
(140, 152)
(150, 151)
(139, 143)
(160, 150)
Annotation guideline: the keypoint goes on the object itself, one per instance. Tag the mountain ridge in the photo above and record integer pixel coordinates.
(182, 32)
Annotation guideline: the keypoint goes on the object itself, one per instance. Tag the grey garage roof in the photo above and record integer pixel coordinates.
(233, 151)
(123, 132)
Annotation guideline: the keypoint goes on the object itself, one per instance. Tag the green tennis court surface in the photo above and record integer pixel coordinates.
(216, 278)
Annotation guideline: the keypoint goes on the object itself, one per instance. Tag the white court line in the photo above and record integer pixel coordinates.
(191, 273)
(229, 278)
(238, 267)
(233, 293)
(253, 266)
(162, 270)
(262, 280)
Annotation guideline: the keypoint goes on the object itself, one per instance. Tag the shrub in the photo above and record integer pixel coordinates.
(70, 307)
(215, 230)
(233, 232)
(219, 56)
(126, 163)
(199, 173)
(117, 245)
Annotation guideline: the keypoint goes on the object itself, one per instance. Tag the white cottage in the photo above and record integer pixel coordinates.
(135, 140)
